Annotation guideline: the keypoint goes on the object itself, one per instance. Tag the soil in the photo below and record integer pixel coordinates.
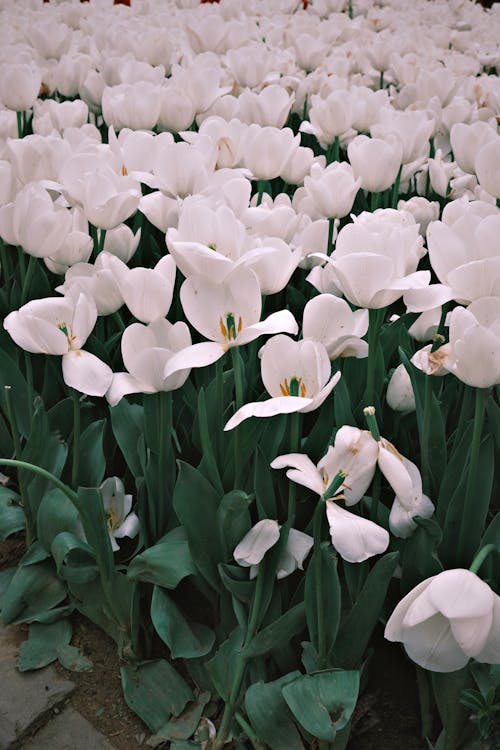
(387, 714)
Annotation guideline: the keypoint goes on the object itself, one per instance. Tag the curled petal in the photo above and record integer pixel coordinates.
(355, 538)
(86, 373)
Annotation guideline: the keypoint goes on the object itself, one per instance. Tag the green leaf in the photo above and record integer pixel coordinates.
(342, 405)
(328, 592)
(42, 645)
(318, 439)
(235, 579)
(11, 513)
(183, 726)
(207, 444)
(166, 563)
(361, 619)
(419, 560)
(222, 666)
(11, 375)
(155, 691)
(323, 703)
(127, 423)
(92, 462)
(72, 659)
(95, 525)
(196, 503)
(56, 513)
(233, 520)
(278, 632)
(74, 559)
(186, 639)
(34, 590)
(447, 688)
(264, 487)
(269, 714)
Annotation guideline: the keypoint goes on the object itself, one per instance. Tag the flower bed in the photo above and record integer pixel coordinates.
(250, 361)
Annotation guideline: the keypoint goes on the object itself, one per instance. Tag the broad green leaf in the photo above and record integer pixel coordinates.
(342, 405)
(43, 644)
(11, 513)
(319, 437)
(92, 462)
(127, 422)
(89, 599)
(196, 503)
(233, 520)
(269, 714)
(71, 658)
(74, 559)
(222, 666)
(61, 418)
(323, 703)
(454, 474)
(56, 513)
(447, 688)
(419, 559)
(235, 580)
(155, 691)
(278, 632)
(185, 639)
(166, 563)
(358, 625)
(493, 412)
(184, 726)
(263, 486)
(95, 527)
(211, 470)
(322, 598)
(474, 517)
(33, 592)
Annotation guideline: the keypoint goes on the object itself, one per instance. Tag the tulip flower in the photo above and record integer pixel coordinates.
(475, 342)
(146, 350)
(19, 85)
(446, 620)
(264, 535)
(487, 166)
(61, 326)
(328, 319)
(117, 507)
(296, 374)
(328, 192)
(375, 161)
(228, 314)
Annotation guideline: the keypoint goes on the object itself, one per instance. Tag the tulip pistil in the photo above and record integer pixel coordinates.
(66, 329)
(293, 388)
(229, 329)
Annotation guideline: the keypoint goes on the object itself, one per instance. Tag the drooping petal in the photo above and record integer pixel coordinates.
(431, 645)
(461, 593)
(355, 538)
(471, 632)
(86, 373)
(278, 322)
(396, 623)
(297, 548)
(130, 527)
(269, 408)
(302, 470)
(257, 542)
(122, 384)
(197, 355)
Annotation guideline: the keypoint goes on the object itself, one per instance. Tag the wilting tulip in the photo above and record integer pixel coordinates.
(447, 620)
(262, 537)
(117, 507)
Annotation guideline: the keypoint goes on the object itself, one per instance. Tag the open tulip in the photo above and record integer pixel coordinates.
(329, 319)
(61, 326)
(296, 374)
(446, 620)
(264, 535)
(228, 314)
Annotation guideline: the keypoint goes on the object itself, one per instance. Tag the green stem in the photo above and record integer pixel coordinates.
(481, 557)
(292, 487)
(498, 202)
(395, 189)
(256, 743)
(470, 491)
(28, 278)
(381, 80)
(318, 569)
(95, 240)
(425, 437)
(75, 465)
(241, 667)
(165, 445)
(375, 322)
(19, 124)
(238, 394)
(219, 406)
(349, 8)
(102, 237)
(4, 264)
(331, 229)
(43, 473)
(375, 495)
(260, 190)
(374, 201)
(424, 699)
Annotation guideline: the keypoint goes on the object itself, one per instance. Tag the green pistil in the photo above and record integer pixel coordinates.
(294, 386)
(231, 326)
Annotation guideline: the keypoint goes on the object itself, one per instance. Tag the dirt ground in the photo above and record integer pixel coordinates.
(387, 715)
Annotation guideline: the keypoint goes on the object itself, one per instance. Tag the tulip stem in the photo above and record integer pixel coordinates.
(238, 393)
(395, 189)
(30, 524)
(425, 437)
(19, 124)
(331, 229)
(375, 323)
(294, 447)
(469, 512)
(43, 473)
(102, 237)
(374, 201)
(75, 466)
(219, 405)
(481, 557)
(381, 80)
(318, 569)
(260, 190)
(27, 279)
(424, 699)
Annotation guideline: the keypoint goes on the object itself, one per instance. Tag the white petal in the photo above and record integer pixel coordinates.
(355, 538)
(255, 544)
(269, 408)
(431, 645)
(460, 593)
(303, 471)
(86, 373)
(197, 355)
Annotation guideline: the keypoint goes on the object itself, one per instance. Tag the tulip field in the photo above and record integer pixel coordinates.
(250, 357)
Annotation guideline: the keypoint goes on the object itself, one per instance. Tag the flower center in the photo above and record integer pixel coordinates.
(113, 520)
(66, 329)
(124, 171)
(228, 328)
(293, 388)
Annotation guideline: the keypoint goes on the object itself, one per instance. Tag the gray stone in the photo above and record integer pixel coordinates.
(26, 699)
(68, 731)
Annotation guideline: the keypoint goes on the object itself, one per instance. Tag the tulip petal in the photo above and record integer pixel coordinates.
(355, 538)
(197, 355)
(269, 408)
(86, 373)
(122, 384)
(278, 322)
(490, 653)
(396, 623)
(302, 470)
(431, 645)
(471, 632)
(257, 542)
(459, 593)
